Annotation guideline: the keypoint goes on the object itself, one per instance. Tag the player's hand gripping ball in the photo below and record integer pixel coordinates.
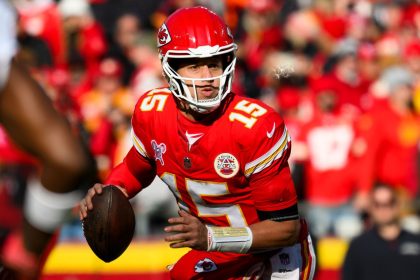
(109, 226)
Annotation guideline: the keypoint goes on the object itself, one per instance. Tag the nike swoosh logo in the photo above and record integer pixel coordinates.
(192, 138)
(193, 135)
(271, 133)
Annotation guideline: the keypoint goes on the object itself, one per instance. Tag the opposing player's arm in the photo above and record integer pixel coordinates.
(31, 121)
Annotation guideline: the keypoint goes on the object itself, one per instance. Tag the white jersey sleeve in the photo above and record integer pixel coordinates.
(8, 42)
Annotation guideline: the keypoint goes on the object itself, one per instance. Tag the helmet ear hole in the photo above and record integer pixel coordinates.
(165, 76)
(173, 86)
(227, 59)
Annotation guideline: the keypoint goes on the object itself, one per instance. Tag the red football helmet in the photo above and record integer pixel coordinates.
(196, 32)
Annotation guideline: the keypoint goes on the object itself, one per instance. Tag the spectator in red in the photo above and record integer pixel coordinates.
(333, 17)
(344, 76)
(367, 63)
(42, 19)
(85, 36)
(127, 34)
(85, 42)
(261, 31)
(148, 74)
(57, 85)
(288, 102)
(106, 112)
(329, 166)
(395, 29)
(290, 105)
(262, 38)
(391, 133)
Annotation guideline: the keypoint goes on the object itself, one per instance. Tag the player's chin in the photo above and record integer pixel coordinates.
(207, 93)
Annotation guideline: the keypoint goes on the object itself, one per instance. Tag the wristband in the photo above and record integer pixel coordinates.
(229, 239)
(48, 210)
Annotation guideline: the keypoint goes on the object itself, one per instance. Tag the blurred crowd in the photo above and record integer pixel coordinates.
(344, 74)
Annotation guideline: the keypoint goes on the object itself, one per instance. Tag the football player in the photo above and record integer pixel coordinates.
(31, 121)
(224, 157)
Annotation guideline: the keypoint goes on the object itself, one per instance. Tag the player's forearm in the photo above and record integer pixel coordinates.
(133, 174)
(271, 234)
(122, 177)
(32, 122)
(258, 237)
(66, 173)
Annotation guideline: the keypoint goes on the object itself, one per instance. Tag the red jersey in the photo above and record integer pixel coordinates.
(222, 171)
(330, 170)
(392, 146)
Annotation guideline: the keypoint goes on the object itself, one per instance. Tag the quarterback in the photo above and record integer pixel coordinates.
(224, 158)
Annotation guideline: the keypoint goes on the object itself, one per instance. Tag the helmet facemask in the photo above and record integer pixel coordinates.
(180, 86)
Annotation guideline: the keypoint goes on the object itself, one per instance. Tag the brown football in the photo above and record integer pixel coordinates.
(109, 226)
